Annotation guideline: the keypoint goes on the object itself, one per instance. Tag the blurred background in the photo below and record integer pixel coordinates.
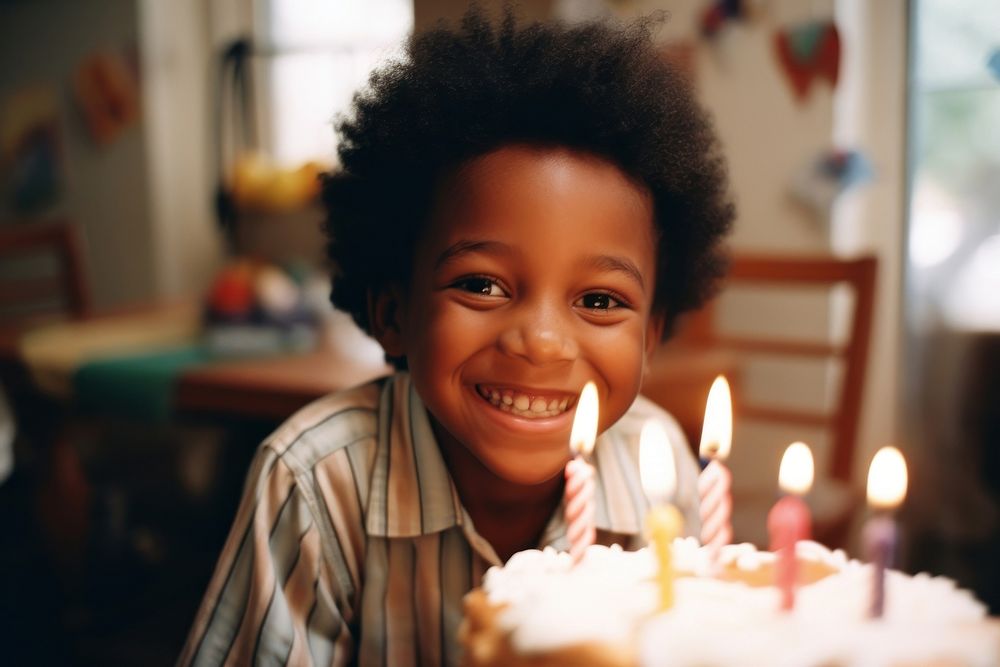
(163, 293)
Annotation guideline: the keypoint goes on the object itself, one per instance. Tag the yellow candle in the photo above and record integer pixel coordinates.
(663, 524)
(658, 473)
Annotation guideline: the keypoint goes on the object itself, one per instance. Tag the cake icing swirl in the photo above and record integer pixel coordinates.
(611, 598)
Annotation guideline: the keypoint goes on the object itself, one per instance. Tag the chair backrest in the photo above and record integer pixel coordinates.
(783, 273)
(42, 271)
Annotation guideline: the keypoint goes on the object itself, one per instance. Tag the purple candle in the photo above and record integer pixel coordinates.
(886, 489)
(880, 545)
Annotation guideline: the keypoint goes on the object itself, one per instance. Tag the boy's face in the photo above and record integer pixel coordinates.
(535, 275)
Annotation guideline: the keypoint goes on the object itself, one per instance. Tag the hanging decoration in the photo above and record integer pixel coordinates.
(994, 63)
(31, 150)
(807, 52)
(106, 90)
(718, 14)
(834, 171)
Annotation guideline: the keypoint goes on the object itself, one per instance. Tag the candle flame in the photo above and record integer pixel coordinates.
(584, 433)
(887, 479)
(717, 432)
(796, 472)
(657, 469)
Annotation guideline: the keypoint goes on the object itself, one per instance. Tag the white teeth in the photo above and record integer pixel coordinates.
(524, 405)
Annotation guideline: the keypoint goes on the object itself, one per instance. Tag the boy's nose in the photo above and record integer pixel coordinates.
(539, 340)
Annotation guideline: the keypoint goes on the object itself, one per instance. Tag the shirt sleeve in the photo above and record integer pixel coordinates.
(274, 597)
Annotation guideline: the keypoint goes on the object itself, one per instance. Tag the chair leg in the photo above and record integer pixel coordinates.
(63, 504)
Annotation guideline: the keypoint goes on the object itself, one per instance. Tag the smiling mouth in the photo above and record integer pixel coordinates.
(521, 404)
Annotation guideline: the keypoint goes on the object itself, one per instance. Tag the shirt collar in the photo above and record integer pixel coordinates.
(413, 494)
(411, 491)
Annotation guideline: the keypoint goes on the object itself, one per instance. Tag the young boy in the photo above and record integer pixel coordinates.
(520, 210)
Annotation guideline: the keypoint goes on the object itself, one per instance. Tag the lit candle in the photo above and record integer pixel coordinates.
(579, 494)
(887, 482)
(663, 523)
(789, 520)
(715, 481)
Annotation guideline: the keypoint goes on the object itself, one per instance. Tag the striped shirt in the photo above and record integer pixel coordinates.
(351, 546)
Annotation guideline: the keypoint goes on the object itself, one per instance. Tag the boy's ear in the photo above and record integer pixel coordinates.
(384, 313)
(654, 333)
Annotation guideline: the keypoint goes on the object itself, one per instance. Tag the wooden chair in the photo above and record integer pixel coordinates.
(835, 497)
(42, 272)
(43, 278)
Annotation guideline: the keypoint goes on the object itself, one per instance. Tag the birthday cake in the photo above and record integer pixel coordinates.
(539, 610)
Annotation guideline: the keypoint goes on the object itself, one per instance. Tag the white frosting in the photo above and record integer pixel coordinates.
(611, 597)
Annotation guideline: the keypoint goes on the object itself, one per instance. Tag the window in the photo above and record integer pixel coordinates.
(317, 53)
(954, 229)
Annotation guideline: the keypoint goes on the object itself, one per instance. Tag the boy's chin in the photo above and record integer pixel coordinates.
(526, 473)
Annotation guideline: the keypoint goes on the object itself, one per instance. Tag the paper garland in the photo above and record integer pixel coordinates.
(820, 182)
(719, 13)
(808, 52)
(994, 63)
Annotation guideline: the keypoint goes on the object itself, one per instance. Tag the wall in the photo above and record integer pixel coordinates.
(178, 86)
(106, 188)
(145, 201)
(871, 113)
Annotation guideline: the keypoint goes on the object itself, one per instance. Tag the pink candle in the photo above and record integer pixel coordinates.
(578, 497)
(887, 481)
(579, 501)
(789, 520)
(715, 507)
(715, 481)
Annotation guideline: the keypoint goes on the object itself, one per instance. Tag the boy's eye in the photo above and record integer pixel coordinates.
(480, 285)
(598, 301)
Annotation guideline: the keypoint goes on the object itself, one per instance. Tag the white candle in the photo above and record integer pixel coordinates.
(715, 480)
(579, 493)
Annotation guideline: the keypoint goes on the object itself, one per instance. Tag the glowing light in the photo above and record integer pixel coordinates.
(657, 469)
(887, 479)
(584, 433)
(973, 300)
(717, 432)
(935, 232)
(797, 470)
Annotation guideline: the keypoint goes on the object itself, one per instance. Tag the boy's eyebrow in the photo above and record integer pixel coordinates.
(460, 248)
(620, 264)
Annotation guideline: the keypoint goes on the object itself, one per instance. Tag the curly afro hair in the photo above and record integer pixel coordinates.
(457, 94)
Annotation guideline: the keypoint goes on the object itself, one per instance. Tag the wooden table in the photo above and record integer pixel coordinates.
(270, 387)
(273, 387)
